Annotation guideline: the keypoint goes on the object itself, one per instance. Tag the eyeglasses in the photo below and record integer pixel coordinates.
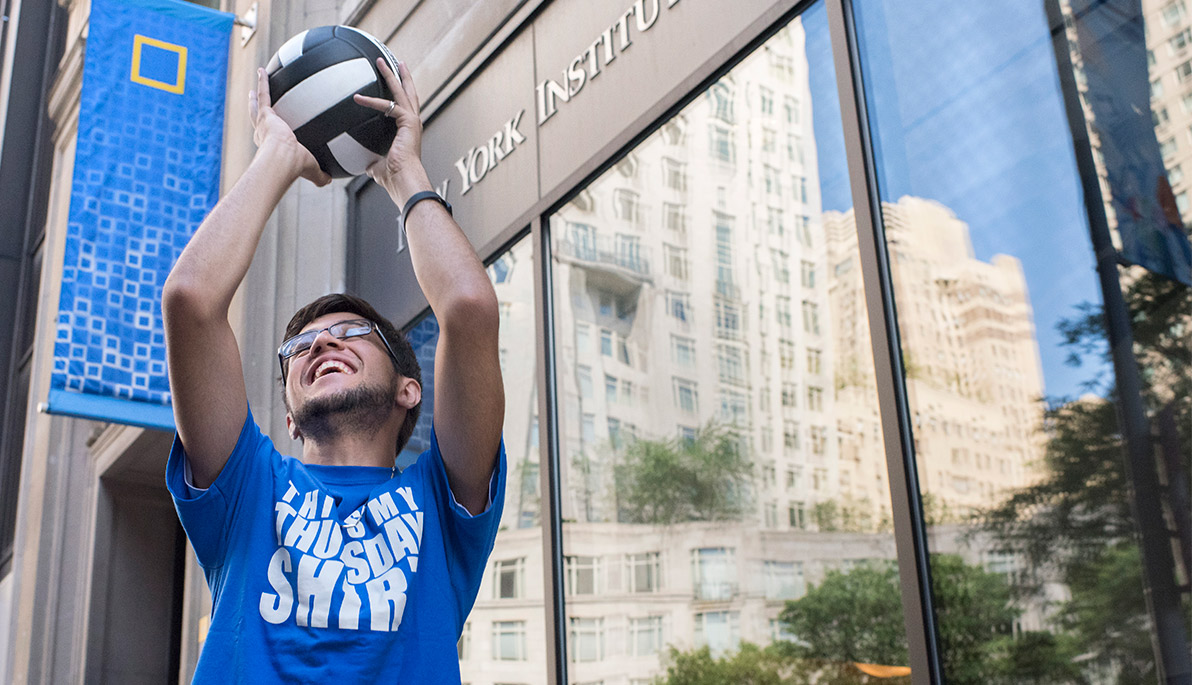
(352, 328)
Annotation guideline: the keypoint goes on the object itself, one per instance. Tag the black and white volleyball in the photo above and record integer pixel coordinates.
(312, 79)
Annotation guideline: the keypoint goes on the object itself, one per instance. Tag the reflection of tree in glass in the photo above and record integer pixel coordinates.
(525, 474)
(846, 515)
(753, 665)
(584, 473)
(937, 511)
(911, 366)
(856, 618)
(705, 478)
(1074, 525)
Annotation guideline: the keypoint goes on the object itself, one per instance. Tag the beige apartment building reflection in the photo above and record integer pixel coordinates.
(972, 365)
(698, 282)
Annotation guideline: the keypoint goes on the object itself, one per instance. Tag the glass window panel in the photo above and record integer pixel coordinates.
(719, 631)
(584, 374)
(508, 581)
(585, 639)
(582, 575)
(645, 636)
(626, 204)
(783, 579)
(509, 641)
(743, 355)
(674, 216)
(714, 573)
(643, 571)
(1019, 453)
(10, 463)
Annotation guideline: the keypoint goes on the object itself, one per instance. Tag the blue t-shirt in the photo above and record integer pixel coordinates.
(333, 573)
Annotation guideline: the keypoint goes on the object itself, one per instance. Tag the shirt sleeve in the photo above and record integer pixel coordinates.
(459, 508)
(468, 539)
(210, 515)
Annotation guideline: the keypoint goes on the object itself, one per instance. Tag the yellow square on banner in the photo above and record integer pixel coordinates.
(179, 84)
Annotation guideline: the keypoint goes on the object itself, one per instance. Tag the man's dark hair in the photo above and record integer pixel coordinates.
(405, 361)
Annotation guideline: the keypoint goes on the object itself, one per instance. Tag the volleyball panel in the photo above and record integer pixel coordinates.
(312, 80)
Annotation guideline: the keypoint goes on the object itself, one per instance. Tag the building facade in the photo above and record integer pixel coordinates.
(783, 293)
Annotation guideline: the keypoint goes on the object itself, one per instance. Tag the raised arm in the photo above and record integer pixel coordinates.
(469, 394)
(206, 377)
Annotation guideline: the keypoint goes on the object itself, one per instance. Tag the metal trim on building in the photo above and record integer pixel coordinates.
(910, 532)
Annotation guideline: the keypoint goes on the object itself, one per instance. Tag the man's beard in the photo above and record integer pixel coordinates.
(358, 410)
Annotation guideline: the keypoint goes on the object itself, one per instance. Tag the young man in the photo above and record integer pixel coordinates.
(336, 567)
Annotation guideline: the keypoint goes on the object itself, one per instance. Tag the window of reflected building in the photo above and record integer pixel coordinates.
(720, 449)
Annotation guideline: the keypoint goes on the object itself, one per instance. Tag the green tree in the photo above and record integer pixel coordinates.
(707, 478)
(1074, 525)
(1103, 613)
(936, 511)
(827, 515)
(975, 617)
(773, 664)
(844, 514)
(1039, 658)
(750, 665)
(855, 616)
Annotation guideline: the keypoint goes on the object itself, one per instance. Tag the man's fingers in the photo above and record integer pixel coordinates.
(407, 86)
(379, 104)
(263, 87)
(387, 74)
(259, 98)
(403, 87)
(393, 109)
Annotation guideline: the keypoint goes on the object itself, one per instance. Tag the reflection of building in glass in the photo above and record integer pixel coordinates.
(972, 365)
(697, 283)
(694, 275)
(691, 291)
(513, 279)
(633, 591)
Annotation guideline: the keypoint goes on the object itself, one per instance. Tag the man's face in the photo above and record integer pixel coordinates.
(340, 380)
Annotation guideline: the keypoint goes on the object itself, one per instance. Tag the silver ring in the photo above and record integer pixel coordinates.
(392, 104)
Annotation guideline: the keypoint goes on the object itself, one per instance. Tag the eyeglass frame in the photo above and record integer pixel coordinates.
(373, 327)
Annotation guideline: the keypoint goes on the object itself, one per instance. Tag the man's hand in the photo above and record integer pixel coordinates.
(401, 171)
(270, 130)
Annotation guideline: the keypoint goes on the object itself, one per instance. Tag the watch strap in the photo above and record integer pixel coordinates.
(419, 197)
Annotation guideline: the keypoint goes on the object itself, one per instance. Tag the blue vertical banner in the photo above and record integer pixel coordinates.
(146, 173)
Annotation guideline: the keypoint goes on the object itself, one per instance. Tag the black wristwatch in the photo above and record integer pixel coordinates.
(415, 199)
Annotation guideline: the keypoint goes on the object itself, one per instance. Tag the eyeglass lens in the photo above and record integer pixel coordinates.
(341, 329)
